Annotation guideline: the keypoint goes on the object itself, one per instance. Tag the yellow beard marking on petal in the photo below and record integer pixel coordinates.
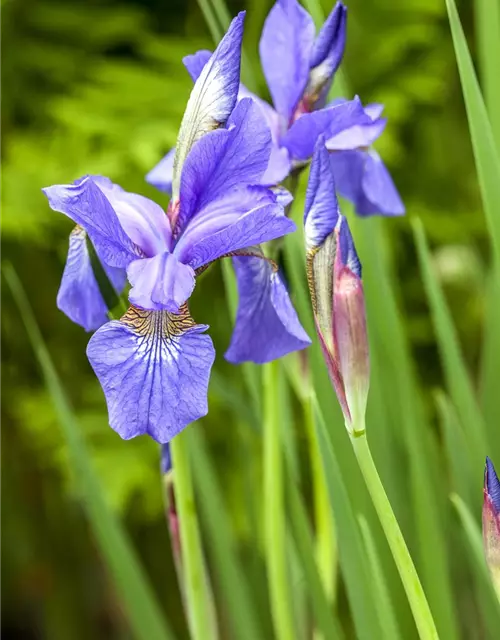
(152, 323)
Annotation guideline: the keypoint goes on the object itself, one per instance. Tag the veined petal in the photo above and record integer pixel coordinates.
(161, 282)
(160, 176)
(154, 369)
(279, 161)
(359, 135)
(362, 178)
(285, 52)
(278, 167)
(302, 135)
(267, 326)
(85, 203)
(380, 191)
(224, 160)
(213, 96)
(327, 54)
(321, 207)
(79, 296)
(144, 221)
(195, 62)
(263, 223)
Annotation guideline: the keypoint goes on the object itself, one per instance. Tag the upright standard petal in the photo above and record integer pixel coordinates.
(224, 160)
(160, 282)
(279, 161)
(195, 63)
(85, 203)
(302, 135)
(267, 326)
(213, 96)
(362, 178)
(161, 175)
(144, 221)
(79, 296)
(326, 56)
(285, 53)
(154, 369)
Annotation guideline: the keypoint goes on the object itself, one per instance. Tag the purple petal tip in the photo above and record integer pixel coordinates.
(492, 484)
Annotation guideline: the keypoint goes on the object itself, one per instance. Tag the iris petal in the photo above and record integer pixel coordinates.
(260, 224)
(79, 296)
(161, 175)
(213, 96)
(267, 326)
(327, 54)
(225, 159)
(144, 221)
(161, 282)
(154, 369)
(302, 135)
(285, 51)
(86, 204)
(362, 178)
(195, 62)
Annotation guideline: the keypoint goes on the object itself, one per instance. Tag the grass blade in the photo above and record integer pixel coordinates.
(483, 144)
(488, 39)
(456, 374)
(487, 160)
(139, 604)
(303, 540)
(215, 519)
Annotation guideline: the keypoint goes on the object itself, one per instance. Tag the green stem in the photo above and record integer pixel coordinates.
(201, 622)
(414, 591)
(326, 544)
(274, 513)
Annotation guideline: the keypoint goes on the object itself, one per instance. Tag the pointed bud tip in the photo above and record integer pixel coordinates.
(492, 485)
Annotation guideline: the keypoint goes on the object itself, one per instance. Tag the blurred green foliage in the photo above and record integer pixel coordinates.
(99, 87)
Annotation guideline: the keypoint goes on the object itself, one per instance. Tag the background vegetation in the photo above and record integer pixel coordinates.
(99, 87)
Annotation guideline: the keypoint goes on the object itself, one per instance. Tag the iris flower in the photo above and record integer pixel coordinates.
(299, 69)
(154, 363)
(334, 277)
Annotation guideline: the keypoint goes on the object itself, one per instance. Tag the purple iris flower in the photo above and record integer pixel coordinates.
(154, 363)
(299, 70)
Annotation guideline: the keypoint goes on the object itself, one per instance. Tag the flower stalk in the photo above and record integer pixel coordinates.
(409, 577)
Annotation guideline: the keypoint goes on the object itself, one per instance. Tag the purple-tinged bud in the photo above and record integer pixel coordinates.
(491, 523)
(351, 341)
(334, 276)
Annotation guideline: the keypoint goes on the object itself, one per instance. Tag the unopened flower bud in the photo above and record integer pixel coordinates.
(334, 276)
(352, 343)
(491, 523)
